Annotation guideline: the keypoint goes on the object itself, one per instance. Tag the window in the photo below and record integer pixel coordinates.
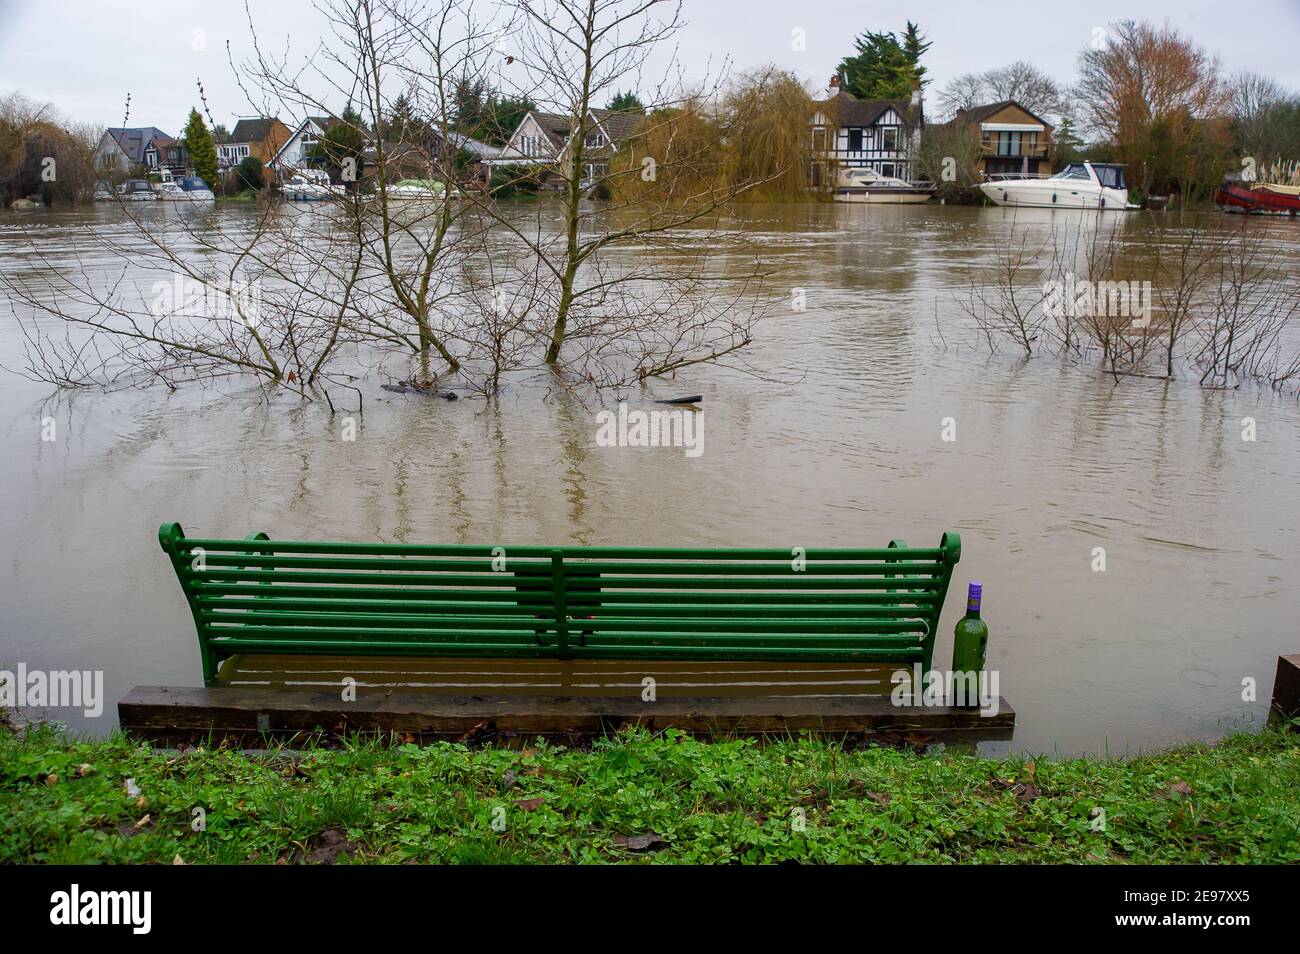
(889, 139)
(855, 140)
(1075, 170)
(819, 138)
(1009, 143)
(1112, 177)
(595, 141)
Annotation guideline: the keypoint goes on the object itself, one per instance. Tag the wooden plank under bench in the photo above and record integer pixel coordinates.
(248, 713)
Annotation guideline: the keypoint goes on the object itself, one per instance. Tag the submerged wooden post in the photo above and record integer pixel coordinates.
(1286, 689)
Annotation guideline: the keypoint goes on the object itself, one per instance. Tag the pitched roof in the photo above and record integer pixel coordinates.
(852, 111)
(556, 126)
(132, 140)
(253, 130)
(481, 149)
(619, 124)
(978, 114)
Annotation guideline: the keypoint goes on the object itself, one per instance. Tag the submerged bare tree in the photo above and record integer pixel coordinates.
(1009, 300)
(1254, 298)
(1220, 305)
(641, 275)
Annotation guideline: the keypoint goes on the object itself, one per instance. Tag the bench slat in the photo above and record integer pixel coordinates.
(495, 580)
(544, 553)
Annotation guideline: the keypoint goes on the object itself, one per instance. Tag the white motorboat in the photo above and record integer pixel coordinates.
(137, 190)
(415, 190)
(867, 185)
(310, 185)
(191, 189)
(1080, 185)
(168, 191)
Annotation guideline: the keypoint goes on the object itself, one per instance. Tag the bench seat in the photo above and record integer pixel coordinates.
(261, 596)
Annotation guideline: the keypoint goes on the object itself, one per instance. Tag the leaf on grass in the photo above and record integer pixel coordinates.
(529, 804)
(880, 798)
(132, 790)
(647, 842)
(1174, 788)
(1027, 793)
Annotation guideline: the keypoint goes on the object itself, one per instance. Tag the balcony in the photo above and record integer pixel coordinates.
(991, 148)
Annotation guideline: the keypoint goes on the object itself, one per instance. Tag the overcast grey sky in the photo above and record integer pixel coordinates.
(85, 55)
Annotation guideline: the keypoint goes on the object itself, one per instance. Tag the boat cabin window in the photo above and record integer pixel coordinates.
(1075, 170)
(192, 183)
(1112, 177)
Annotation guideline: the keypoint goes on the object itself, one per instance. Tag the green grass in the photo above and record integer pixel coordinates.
(64, 801)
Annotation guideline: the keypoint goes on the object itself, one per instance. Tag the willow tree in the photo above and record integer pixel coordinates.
(766, 139)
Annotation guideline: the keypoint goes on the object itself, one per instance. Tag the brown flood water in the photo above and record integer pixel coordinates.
(836, 443)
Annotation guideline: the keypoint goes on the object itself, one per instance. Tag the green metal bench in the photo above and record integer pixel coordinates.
(259, 595)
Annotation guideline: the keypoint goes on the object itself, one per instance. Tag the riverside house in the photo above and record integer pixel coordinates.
(543, 140)
(877, 134)
(1012, 139)
(260, 138)
(121, 149)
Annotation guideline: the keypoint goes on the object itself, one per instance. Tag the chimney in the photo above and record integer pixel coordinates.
(916, 93)
(833, 89)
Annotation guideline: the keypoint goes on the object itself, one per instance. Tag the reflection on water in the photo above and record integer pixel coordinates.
(835, 442)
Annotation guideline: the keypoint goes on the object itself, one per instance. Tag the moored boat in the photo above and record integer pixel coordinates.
(416, 190)
(137, 190)
(194, 189)
(1080, 185)
(1263, 198)
(867, 185)
(310, 185)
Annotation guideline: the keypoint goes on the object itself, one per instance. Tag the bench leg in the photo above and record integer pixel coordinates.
(210, 665)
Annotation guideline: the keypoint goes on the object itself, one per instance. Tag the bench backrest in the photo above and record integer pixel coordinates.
(259, 595)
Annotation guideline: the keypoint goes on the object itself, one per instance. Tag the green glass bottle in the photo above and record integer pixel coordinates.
(971, 639)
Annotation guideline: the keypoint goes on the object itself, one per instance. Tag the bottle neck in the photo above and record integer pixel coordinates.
(973, 595)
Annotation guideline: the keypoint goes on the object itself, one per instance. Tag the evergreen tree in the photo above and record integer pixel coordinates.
(627, 102)
(203, 154)
(342, 149)
(504, 117)
(401, 124)
(884, 67)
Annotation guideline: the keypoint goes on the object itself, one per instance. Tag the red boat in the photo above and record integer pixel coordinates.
(1237, 195)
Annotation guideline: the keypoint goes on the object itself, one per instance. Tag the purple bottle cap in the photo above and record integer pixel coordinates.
(975, 589)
